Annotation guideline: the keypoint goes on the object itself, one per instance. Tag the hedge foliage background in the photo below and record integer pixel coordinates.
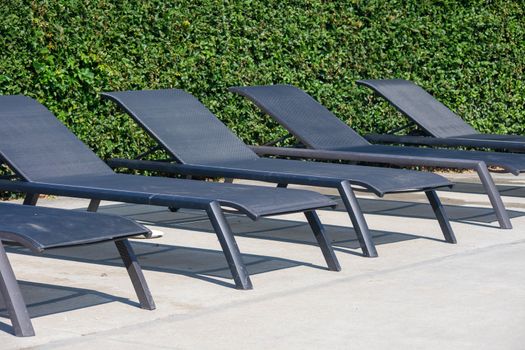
(470, 54)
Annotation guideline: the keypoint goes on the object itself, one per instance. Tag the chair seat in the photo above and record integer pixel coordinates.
(507, 160)
(254, 201)
(40, 228)
(378, 180)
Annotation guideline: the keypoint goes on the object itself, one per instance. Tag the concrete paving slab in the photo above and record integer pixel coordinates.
(420, 293)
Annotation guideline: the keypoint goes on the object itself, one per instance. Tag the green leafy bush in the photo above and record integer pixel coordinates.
(471, 54)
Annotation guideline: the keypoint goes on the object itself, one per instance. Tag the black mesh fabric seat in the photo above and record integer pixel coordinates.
(40, 229)
(254, 202)
(203, 146)
(301, 115)
(380, 181)
(512, 163)
(441, 126)
(51, 160)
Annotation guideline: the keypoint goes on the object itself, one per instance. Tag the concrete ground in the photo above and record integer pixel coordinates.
(421, 293)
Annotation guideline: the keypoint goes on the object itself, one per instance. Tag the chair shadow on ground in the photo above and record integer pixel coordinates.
(477, 188)
(343, 237)
(204, 264)
(46, 299)
(457, 213)
(209, 264)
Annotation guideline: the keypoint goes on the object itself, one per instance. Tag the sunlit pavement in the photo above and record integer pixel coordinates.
(421, 293)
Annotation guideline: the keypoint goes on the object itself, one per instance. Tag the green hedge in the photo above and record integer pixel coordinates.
(471, 54)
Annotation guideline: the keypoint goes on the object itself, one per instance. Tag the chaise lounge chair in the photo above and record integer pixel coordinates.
(441, 126)
(203, 146)
(42, 229)
(49, 159)
(327, 137)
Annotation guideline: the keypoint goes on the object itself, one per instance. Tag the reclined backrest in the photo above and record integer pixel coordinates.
(35, 144)
(305, 118)
(417, 104)
(183, 126)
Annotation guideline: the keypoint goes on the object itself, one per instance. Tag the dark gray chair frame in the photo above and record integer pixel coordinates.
(366, 152)
(440, 126)
(49, 159)
(230, 146)
(81, 229)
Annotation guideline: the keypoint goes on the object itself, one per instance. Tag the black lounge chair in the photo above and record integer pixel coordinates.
(439, 125)
(203, 146)
(42, 229)
(50, 159)
(327, 137)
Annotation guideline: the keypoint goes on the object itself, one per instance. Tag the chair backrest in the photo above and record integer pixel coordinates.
(182, 125)
(305, 118)
(417, 104)
(35, 144)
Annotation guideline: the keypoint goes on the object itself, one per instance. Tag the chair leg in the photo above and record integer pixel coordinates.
(31, 199)
(494, 196)
(135, 273)
(323, 241)
(229, 246)
(93, 205)
(10, 290)
(441, 216)
(358, 220)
